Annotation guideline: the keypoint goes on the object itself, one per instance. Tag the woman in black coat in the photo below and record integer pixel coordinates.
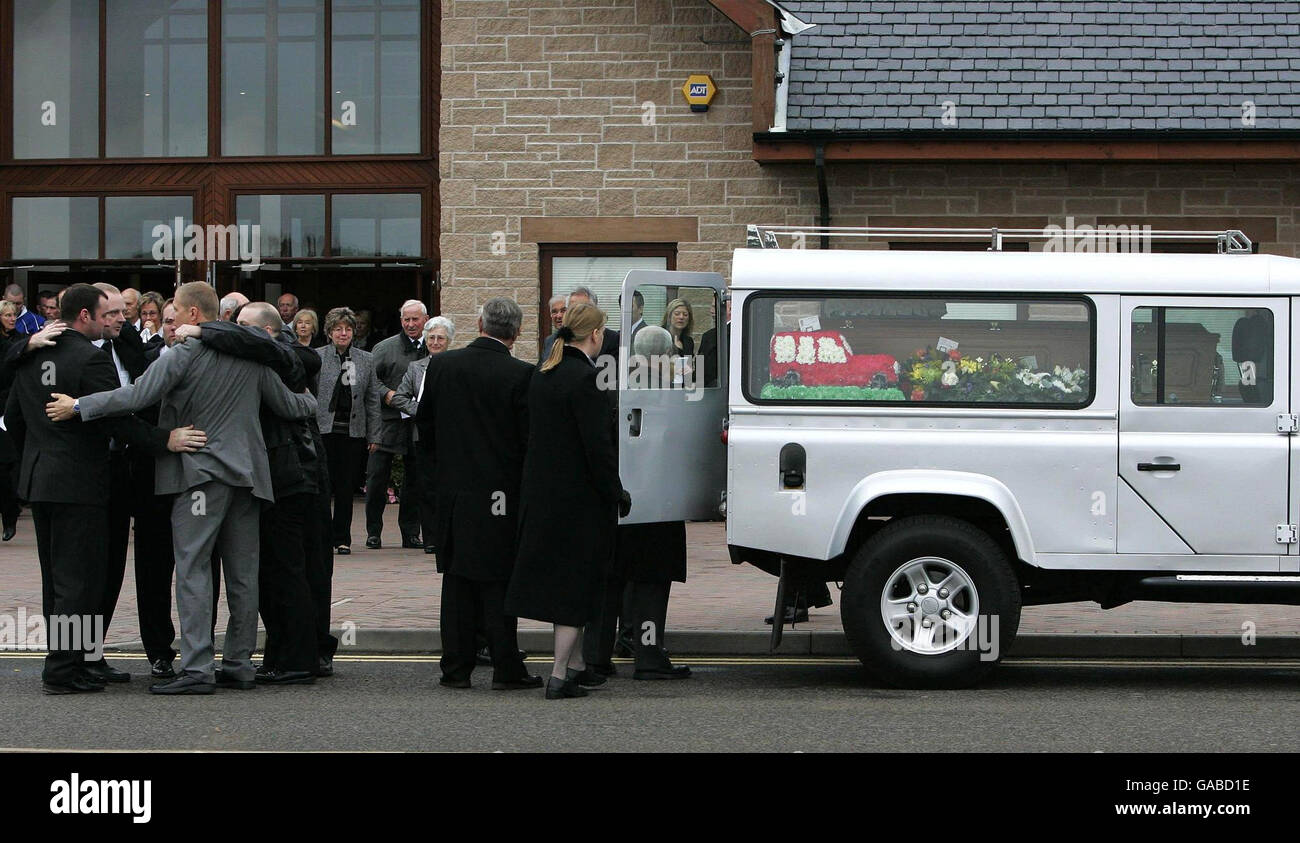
(570, 479)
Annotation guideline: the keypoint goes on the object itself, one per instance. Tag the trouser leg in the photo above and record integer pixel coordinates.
(649, 615)
(599, 634)
(424, 490)
(285, 598)
(459, 622)
(379, 474)
(121, 502)
(501, 631)
(154, 565)
(408, 502)
(340, 451)
(320, 574)
(240, 561)
(197, 517)
(73, 560)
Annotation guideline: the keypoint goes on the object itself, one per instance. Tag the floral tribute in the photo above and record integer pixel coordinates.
(931, 375)
(823, 358)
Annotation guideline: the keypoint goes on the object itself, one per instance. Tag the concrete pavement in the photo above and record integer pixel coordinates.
(390, 597)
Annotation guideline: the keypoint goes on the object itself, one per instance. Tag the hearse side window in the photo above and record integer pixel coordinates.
(1213, 355)
(919, 350)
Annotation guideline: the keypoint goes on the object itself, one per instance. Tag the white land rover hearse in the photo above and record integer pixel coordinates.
(953, 434)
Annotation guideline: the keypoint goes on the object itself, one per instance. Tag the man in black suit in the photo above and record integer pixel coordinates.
(130, 494)
(473, 423)
(65, 473)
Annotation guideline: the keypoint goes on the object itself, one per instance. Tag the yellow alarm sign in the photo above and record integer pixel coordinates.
(698, 91)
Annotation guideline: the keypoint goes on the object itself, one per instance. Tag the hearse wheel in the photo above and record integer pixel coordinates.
(930, 602)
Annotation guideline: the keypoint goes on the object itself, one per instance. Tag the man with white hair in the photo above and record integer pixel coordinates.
(287, 305)
(231, 302)
(391, 359)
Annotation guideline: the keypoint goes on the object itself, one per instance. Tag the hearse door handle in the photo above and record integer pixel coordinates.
(634, 423)
(1159, 466)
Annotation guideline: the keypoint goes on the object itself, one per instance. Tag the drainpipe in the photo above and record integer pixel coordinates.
(822, 194)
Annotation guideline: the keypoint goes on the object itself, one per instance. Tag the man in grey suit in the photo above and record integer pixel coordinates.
(217, 489)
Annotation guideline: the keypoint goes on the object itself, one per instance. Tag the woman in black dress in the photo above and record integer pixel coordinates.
(570, 478)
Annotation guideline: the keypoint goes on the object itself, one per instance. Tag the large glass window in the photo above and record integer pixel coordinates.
(375, 224)
(129, 223)
(273, 71)
(1212, 355)
(375, 63)
(56, 79)
(157, 78)
(920, 350)
(291, 225)
(55, 227)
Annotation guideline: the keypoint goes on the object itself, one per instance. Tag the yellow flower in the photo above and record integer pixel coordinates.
(969, 367)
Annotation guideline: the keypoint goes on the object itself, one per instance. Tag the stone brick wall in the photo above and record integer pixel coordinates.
(544, 113)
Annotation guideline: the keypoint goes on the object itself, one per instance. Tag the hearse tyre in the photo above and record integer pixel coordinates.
(919, 601)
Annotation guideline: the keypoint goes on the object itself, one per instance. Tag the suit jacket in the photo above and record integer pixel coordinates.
(405, 400)
(218, 394)
(391, 358)
(365, 421)
(68, 462)
(473, 422)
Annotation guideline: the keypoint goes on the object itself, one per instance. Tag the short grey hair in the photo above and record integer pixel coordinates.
(652, 340)
(265, 315)
(439, 322)
(413, 303)
(501, 318)
(558, 297)
(581, 291)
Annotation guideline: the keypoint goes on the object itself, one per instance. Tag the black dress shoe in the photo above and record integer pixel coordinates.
(226, 680)
(791, 616)
(430, 549)
(560, 689)
(606, 669)
(586, 678)
(453, 683)
(162, 669)
(75, 685)
(10, 531)
(102, 669)
(672, 672)
(93, 678)
(287, 677)
(483, 658)
(521, 684)
(325, 667)
(184, 685)
(342, 550)
(412, 541)
(623, 648)
(373, 542)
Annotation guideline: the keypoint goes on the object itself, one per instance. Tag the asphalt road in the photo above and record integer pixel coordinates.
(729, 705)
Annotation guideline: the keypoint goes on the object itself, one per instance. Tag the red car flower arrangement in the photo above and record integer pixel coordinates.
(823, 358)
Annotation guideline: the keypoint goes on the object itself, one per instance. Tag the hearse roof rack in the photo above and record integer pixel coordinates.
(1231, 241)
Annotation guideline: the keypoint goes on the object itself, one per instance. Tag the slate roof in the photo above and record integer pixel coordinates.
(1051, 66)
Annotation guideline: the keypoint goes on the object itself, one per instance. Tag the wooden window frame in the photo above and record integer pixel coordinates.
(547, 251)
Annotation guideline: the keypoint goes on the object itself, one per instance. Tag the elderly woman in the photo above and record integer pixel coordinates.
(347, 414)
(306, 327)
(438, 334)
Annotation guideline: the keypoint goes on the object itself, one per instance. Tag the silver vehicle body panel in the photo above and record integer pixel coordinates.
(1057, 476)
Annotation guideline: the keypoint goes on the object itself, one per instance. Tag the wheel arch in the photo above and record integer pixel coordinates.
(915, 491)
